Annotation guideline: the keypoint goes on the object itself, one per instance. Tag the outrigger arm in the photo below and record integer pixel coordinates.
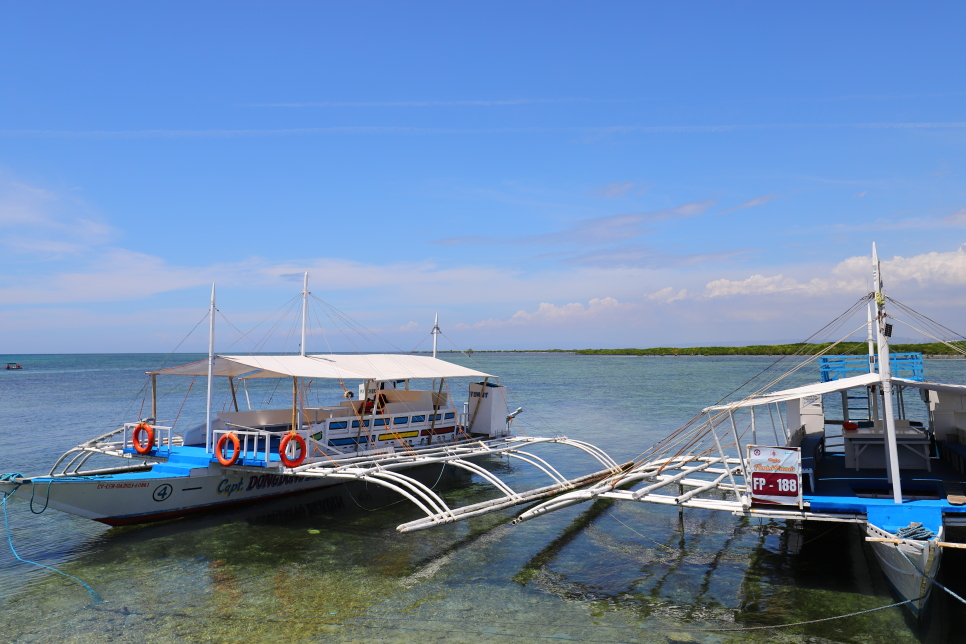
(381, 470)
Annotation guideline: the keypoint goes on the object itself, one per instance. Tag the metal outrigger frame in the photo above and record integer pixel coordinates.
(704, 475)
(384, 470)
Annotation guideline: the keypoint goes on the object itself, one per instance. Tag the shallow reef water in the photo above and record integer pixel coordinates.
(306, 569)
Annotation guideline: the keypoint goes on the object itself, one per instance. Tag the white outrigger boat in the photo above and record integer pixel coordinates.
(239, 457)
(899, 478)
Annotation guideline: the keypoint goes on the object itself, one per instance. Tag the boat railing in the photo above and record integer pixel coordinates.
(162, 439)
(251, 441)
(901, 365)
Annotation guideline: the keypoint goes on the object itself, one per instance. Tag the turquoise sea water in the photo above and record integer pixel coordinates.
(300, 571)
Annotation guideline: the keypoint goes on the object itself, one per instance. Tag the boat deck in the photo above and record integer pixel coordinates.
(838, 489)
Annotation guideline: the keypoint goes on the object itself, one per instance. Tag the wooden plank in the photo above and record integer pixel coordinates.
(954, 493)
(941, 544)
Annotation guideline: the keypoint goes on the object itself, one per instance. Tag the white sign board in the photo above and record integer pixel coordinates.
(776, 475)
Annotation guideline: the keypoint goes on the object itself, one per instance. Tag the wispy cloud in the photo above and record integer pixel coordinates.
(468, 103)
(953, 220)
(590, 134)
(957, 218)
(751, 203)
(594, 231)
(45, 224)
(620, 189)
(643, 256)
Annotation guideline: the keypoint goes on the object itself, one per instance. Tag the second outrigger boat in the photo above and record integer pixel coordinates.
(237, 457)
(845, 450)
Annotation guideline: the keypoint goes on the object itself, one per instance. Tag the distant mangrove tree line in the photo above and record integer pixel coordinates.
(846, 348)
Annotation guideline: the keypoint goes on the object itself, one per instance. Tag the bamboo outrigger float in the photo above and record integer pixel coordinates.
(900, 478)
(238, 457)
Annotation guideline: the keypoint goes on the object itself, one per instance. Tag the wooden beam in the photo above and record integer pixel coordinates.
(941, 544)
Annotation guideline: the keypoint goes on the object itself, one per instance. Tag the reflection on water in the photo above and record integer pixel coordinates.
(329, 566)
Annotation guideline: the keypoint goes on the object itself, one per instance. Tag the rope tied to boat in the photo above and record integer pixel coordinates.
(811, 621)
(12, 478)
(933, 580)
(915, 532)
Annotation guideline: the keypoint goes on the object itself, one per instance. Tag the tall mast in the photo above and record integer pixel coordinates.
(885, 377)
(871, 339)
(305, 306)
(211, 368)
(436, 333)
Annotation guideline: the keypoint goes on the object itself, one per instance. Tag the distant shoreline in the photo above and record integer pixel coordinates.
(928, 349)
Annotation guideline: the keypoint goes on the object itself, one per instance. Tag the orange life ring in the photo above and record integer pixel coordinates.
(235, 447)
(136, 438)
(289, 462)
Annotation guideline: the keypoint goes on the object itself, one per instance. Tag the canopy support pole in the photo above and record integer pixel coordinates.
(754, 430)
(741, 455)
(211, 370)
(295, 402)
(432, 421)
(154, 397)
(724, 459)
(781, 419)
(234, 398)
(247, 399)
(774, 428)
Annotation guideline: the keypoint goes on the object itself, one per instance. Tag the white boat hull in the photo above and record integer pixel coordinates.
(908, 582)
(127, 501)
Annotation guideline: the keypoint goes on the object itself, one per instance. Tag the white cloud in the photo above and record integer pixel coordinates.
(853, 274)
(668, 295)
(548, 314)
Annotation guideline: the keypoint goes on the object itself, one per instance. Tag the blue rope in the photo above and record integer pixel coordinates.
(927, 576)
(915, 532)
(6, 522)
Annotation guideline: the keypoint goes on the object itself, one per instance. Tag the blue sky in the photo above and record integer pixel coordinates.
(542, 174)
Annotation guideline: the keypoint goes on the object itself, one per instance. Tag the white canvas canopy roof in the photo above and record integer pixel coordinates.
(336, 367)
(818, 389)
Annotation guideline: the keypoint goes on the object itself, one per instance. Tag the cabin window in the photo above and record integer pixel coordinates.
(381, 422)
(355, 424)
(340, 425)
(438, 417)
(401, 421)
(419, 419)
(448, 416)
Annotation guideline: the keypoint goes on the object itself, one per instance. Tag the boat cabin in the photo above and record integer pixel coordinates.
(380, 412)
(839, 428)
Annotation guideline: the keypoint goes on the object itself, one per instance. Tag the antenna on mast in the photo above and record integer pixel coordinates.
(305, 307)
(435, 333)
